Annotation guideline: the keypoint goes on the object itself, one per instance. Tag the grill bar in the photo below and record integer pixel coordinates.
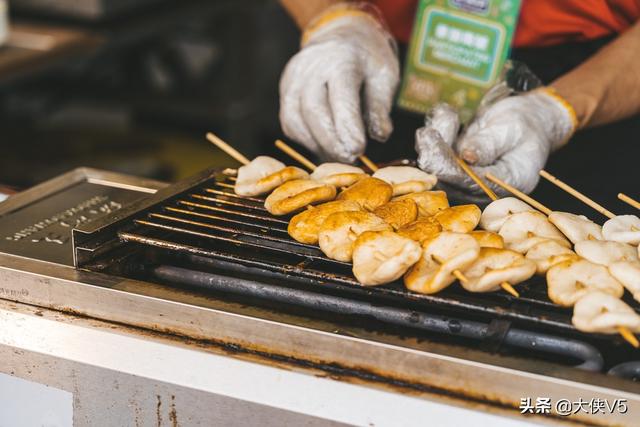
(286, 250)
(531, 341)
(223, 219)
(232, 212)
(232, 195)
(232, 230)
(230, 203)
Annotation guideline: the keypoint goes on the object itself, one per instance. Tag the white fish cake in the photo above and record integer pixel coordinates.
(627, 273)
(406, 179)
(623, 229)
(440, 257)
(568, 281)
(381, 257)
(497, 212)
(305, 226)
(340, 230)
(576, 227)
(495, 266)
(548, 253)
(338, 174)
(598, 312)
(298, 194)
(523, 230)
(459, 219)
(606, 253)
(264, 174)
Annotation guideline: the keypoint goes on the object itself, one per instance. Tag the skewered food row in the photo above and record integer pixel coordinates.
(394, 215)
(417, 235)
(374, 224)
(596, 265)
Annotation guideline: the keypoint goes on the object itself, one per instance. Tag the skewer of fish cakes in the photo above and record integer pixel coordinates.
(574, 279)
(618, 228)
(260, 175)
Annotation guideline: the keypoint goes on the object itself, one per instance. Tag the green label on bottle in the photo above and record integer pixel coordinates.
(457, 52)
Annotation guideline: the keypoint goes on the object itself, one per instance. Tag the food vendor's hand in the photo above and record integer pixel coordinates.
(346, 55)
(511, 139)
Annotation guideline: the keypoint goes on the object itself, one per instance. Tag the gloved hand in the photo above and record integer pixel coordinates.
(511, 139)
(346, 54)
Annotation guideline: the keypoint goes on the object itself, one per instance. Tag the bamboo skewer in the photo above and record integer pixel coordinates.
(519, 194)
(628, 200)
(295, 155)
(506, 286)
(456, 273)
(227, 148)
(368, 163)
(372, 166)
(624, 332)
(628, 336)
(488, 191)
(575, 193)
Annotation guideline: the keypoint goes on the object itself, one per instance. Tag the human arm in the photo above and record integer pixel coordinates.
(606, 87)
(303, 11)
(513, 138)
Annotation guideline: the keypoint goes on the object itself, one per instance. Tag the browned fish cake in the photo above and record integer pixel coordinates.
(429, 202)
(488, 239)
(297, 194)
(341, 229)
(288, 173)
(305, 226)
(346, 179)
(421, 230)
(459, 219)
(398, 213)
(369, 192)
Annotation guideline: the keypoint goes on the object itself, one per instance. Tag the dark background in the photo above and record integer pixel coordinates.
(133, 85)
(139, 85)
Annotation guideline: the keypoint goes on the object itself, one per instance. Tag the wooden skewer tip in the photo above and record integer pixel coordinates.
(575, 193)
(509, 288)
(215, 140)
(368, 163)
(628, 336)
(295, 155)
(474, 176)
(519, 194)
(461, 277)
(628, 200)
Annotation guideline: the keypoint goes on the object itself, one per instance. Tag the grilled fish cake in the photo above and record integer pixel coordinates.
(298, 194)
(398, 213)
(369, 192)
(305, 226)
(429, 202)
(340, 230)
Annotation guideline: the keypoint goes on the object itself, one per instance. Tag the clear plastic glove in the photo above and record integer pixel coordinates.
(510, 139)
(346, 55)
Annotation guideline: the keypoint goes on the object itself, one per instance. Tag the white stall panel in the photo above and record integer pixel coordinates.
(25, 403)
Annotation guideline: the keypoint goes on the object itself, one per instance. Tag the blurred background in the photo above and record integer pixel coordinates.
(133, 85)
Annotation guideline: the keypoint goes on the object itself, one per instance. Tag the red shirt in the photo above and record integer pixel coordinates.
(542, 22)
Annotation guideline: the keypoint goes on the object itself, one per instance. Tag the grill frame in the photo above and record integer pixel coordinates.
(148, 225)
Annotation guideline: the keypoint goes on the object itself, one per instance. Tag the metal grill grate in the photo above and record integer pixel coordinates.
(209, 220)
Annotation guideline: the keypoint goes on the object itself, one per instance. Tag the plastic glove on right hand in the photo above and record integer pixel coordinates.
(510, 139)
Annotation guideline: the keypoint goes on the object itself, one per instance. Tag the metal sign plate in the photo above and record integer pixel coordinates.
(38, 222)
